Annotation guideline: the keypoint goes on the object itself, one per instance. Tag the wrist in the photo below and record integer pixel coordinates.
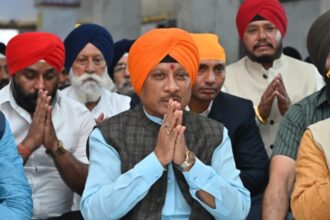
(258, 115)
(188, 163)
(23, 150)
(56, 151)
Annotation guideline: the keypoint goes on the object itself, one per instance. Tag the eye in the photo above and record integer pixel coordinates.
(120, 67)
(82, 61)
(181, 75)
(50, 75)
(159, 75)
(219, 69)
(270, 28)
(201, 69)
(251, 30)
(29, 74)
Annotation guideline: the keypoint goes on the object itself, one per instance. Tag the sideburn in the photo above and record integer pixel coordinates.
(25, 100)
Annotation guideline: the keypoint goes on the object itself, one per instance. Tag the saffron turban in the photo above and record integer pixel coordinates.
(150, 48)
(84, 34)
(209, 47)
(318, 42)
(28, 48)
(271, 10)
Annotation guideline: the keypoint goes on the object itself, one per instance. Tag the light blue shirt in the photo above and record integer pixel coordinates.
(110, 194)
(15, 192)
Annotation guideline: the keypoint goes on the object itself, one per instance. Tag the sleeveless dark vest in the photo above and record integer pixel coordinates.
(134, 137)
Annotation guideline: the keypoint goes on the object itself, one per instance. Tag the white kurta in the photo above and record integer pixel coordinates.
(249, 80)
(110, 104)
(73, 123)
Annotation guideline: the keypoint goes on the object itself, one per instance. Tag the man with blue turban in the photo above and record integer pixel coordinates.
(89, 52)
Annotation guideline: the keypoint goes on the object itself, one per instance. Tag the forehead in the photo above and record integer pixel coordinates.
(260, 23)
(211, 62)
(90, 50)
(164, 66)
(123, 59)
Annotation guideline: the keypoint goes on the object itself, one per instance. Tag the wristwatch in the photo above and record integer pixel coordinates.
(58, 152)
(188, 162)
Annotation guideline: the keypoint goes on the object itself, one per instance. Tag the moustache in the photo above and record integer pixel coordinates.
(173, 97)
(262, 45)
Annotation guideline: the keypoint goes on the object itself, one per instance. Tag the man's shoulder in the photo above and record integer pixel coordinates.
(299, 63)
(201, 122)
(227, 99)
(115, 96)
(235, 65)
(66, 103)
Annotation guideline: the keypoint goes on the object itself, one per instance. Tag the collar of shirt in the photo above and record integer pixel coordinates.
(204, 113)
(323, 97)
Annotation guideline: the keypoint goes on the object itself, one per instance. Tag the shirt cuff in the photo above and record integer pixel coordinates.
(199, 175)
(150, 168)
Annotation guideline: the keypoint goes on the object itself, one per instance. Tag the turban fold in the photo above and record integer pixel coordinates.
(149, 49)
(28, 48)
(209, 47)
(271, 10)
(318, 42)
(119, 49)
(84, 34)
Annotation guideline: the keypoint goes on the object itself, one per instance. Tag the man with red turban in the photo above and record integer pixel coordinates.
(158, 161)
(208, 100)
(51, 130)
(272, 80)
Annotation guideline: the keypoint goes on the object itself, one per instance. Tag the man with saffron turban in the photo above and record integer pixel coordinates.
(272, 80)
(89, 53)
(235, 113)
(51, 130)
(312, 179)
(158, 161)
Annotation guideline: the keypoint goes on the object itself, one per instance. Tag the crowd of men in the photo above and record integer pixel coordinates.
(162, 128)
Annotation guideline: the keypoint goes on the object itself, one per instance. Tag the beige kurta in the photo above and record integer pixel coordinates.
(249, 80)
(311, 195)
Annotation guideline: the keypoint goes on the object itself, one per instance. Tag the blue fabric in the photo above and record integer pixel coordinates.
(15, 192)
(110, 194)
(120, 48)
(84, 34)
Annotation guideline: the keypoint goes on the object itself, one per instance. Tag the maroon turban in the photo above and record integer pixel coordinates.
(271, 10)
(28, 48)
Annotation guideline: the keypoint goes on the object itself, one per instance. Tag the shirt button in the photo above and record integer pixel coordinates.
(265, 76)
(271, 122)
(271, 146)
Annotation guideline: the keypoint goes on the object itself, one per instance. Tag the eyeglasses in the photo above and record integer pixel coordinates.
(120, 68)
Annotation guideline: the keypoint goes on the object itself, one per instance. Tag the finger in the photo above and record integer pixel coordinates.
(179, 115)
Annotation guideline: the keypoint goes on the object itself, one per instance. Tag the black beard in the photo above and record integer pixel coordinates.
(265, 58)
(24, 100)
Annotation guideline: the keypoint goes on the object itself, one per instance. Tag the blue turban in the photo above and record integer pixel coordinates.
(84, 34)
(120, 48)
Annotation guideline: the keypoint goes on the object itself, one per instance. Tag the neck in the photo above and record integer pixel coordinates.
(91, 105)
(267, 65)
(198, 106)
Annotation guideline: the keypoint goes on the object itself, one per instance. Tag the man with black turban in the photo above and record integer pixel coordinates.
(89, 52)
(308, 111)
(157, 161)
(50, 129)
(272, 80)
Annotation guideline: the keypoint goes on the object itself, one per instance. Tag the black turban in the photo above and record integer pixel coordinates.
(120, 48)
(318, 42)
(84, 34)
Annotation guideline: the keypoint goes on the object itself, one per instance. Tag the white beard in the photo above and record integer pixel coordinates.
(89, 86)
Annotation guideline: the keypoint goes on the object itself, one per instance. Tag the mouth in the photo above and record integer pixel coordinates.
(263, 46)
(208, 90)
(167, 99)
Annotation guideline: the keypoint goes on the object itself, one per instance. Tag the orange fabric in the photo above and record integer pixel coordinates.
(149, 49)
(28, 48)
(310, 198)
(209, 47)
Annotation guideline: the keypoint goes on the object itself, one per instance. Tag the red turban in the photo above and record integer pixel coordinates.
(271, 10)
(149, 49)
(28, 48)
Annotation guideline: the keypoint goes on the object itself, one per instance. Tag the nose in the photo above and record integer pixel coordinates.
(172, 85)
(126, 73)
(90, 67)
(40, 83)
(210, 77)
(262, 33)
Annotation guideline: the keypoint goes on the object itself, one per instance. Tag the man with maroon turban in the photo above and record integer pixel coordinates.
(51, 130)
(272, 80)
(158, 161)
